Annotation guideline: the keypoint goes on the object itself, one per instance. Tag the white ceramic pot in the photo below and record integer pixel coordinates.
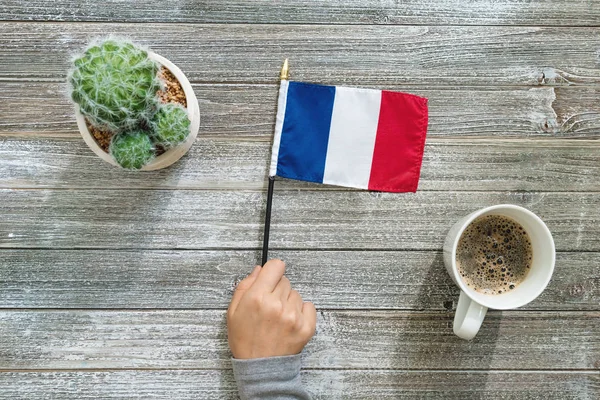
(170, 156)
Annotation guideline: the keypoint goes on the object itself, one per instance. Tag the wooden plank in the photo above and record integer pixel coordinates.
(157, 219)
(442, 12)
(454, 164)
(365, 55)
(345, 339)
(322, 384)
(225, 109)
(573, 118)
(42, 109)
(205, 279)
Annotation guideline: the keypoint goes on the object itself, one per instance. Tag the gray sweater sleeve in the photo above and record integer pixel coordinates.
(273, 378)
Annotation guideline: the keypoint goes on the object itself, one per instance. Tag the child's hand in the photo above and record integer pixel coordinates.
(266, 317)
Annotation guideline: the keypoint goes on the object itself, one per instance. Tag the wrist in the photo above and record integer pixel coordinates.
(266, 366)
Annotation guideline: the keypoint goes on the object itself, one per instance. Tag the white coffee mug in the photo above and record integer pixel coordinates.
(472, 305)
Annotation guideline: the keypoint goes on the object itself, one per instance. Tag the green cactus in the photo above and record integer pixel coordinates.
(132, 150)
(115, 84)
(171, 125)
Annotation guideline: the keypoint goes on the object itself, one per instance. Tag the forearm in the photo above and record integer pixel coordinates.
(273, 378)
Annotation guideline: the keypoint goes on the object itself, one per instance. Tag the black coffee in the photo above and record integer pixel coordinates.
(494, 254)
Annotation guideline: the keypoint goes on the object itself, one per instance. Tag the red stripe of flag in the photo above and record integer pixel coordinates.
(399, 143)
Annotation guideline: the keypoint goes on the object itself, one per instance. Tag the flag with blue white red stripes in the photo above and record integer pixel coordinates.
(360, 138)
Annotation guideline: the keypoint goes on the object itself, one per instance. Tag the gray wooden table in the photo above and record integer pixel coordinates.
(114, 284)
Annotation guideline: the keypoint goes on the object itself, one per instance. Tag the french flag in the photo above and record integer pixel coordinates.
(360, 138)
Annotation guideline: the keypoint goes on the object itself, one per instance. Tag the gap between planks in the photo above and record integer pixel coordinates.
(459, 371)
(292, 24)
(275, 84)
(303, 24)
(273, 248)
(509, 141)
(412, 311)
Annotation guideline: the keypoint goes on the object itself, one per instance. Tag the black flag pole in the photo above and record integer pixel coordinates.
(265, 251)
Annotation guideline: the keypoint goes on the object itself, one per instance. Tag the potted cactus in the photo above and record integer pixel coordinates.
(134, 108)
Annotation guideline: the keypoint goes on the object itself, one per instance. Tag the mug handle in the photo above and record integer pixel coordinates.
(468, 318)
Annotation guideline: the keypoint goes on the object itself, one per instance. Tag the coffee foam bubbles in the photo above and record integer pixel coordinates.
(494, 254)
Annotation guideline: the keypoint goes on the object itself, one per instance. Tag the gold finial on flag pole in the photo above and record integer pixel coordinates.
(285, 70)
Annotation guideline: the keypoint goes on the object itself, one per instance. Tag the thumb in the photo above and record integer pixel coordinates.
(310, 318)
(243, 287)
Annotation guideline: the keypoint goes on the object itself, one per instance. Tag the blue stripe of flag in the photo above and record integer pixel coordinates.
(305, 131)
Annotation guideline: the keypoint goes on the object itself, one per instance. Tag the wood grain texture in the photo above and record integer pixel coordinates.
(157, 219)
(452, 164)
(365, 55)
(440, 12)
(345, 339)
(409, 280)
(114, 284)
(322, 384)
(42, 109)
